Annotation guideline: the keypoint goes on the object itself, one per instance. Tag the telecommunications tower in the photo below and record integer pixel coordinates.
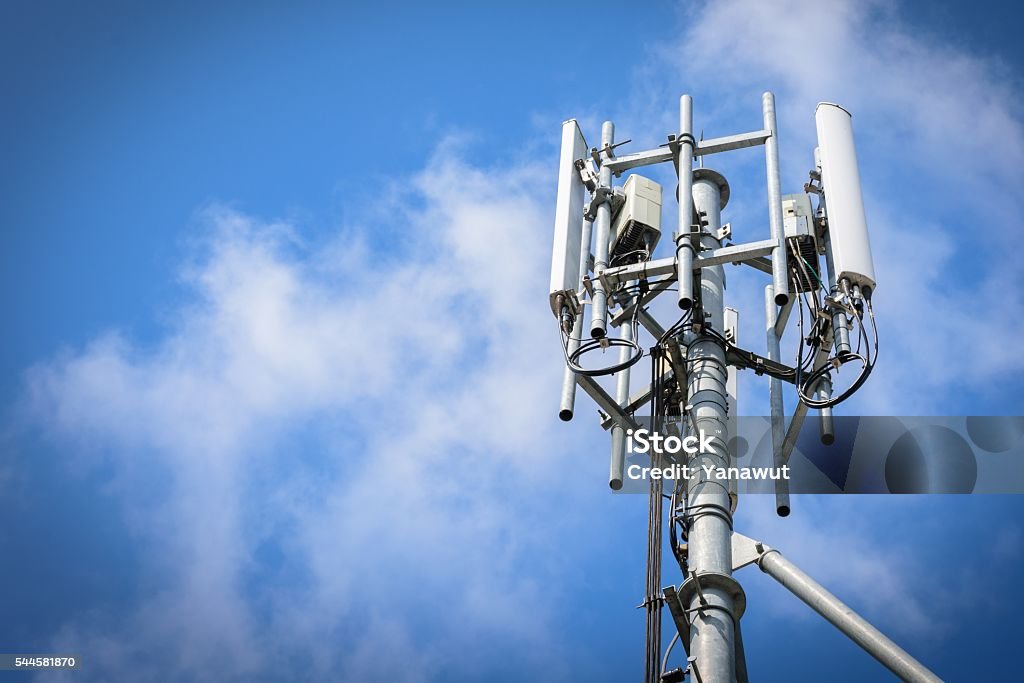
(602, 262)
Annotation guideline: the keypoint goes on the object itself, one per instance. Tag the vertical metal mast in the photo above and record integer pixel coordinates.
(709, 592)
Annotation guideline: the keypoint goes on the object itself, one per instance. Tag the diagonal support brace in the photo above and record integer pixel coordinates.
(748, 551)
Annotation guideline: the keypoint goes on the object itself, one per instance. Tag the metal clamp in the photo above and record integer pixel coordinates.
(587, 174)
(601, 194)
(675, 142)
(608, 150)
(697, 583)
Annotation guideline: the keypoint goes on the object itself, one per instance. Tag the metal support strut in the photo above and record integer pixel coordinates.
(817, 597)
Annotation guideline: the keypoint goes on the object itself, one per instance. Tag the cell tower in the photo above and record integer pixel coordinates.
(602, 261)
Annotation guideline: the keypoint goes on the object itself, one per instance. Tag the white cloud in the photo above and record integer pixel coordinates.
(432, 497)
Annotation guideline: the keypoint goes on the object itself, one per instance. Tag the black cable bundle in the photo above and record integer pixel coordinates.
(807, 376)
(653, 598)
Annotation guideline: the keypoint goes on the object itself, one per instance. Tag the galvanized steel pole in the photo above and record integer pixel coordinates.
(710, 592)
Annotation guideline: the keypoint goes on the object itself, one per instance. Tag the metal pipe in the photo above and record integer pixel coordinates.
(775, 401)
(780, 268)
(602, 229)
(703, 148)
(606, 403)
(684, 245)
(891, 655)
(732, 331)
(568, 402)
(826, 428)
(709, 510)
(796, 422)
(567, 405)
(840, 325)
(782, 318)
(734, 253)
(618, 454)
(617, 465)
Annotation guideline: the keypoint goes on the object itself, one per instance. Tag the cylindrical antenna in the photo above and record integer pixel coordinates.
(617, 466)
(780, 268)
(568, 403)
(684, 245)
(825, 427)
(840, 325)
(602, 230)
(618, 454)
(775, 401)
(840, 180)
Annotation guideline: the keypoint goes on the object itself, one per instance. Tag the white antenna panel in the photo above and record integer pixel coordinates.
(565, 254)
(844, 203)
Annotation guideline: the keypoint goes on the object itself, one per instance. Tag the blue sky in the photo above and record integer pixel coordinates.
(279, 378)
